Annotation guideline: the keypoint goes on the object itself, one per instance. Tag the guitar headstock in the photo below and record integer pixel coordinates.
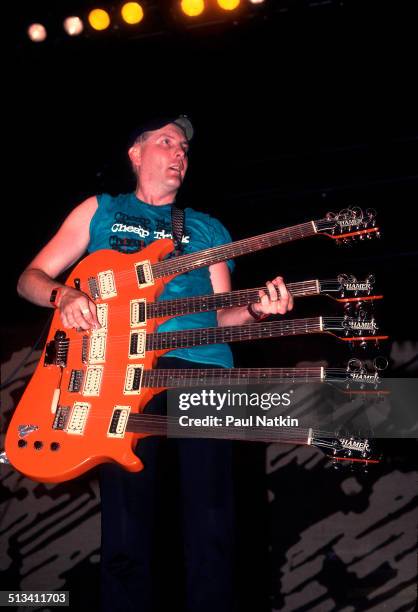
(348, 451)
(347, 289)
(358, 375)
(357, 328)
(349, 224)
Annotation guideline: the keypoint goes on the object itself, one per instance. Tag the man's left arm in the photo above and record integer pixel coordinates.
(277, 299)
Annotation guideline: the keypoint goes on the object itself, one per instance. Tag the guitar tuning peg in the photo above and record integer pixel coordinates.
(363, 345)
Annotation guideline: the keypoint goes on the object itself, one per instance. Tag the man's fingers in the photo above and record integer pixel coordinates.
(286, 300)
(271, 288)
(93, 313)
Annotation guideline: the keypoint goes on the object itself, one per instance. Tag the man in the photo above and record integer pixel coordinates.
(159, 157)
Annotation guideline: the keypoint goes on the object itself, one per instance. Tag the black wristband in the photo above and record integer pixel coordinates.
(255, 315)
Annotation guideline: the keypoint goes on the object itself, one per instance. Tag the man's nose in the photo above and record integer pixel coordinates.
(180, 152)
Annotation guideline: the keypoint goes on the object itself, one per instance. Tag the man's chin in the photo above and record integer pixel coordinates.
(175, 181)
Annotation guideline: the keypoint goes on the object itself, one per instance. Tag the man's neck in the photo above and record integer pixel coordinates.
(154, 197)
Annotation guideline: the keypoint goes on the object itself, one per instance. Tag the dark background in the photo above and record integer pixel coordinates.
(297, 112)
(299, 108)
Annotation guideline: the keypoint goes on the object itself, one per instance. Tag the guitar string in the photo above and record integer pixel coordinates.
(229, 333)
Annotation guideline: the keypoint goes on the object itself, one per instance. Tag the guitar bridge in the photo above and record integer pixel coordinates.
(93, 287)
(56, 352)
(76, 381)
(61, 417)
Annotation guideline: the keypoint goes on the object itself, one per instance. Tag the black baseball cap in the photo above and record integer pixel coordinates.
(182, 121)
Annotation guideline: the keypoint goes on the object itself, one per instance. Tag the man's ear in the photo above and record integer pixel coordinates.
(135, 154)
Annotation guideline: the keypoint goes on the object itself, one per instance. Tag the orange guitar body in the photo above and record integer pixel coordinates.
(43, 450)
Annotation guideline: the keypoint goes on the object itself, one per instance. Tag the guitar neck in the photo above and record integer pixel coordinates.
(174, 378)
(216, 301)
(233, 333)
(163, 426)
(200, 259)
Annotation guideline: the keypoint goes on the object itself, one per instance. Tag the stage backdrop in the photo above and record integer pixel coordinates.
(331, 541)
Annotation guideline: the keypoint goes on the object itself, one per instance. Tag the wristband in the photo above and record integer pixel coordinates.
(256, 315)
(55, 296)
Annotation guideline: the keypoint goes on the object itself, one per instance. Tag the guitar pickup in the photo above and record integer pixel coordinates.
(93, 380)
(78, 419)
(97, 351)
(118, 422)
(56, 352)
(144, 274)
(76, 381)
(137, 344)
(102, 315)
(133, 379)
(107, 284)
(138, 312)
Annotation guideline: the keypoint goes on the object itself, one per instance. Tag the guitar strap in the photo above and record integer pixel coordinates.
(177, 228)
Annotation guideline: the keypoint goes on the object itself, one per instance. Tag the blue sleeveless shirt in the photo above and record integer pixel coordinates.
(127, 224)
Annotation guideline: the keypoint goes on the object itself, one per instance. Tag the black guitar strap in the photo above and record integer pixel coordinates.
(177, 228)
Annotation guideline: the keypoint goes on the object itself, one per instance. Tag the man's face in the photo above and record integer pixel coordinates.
(163, 157)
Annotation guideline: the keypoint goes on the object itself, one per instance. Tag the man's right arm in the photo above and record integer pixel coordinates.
(62, 251)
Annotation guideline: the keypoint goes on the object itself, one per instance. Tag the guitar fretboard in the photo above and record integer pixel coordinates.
(173, 378)
(192, 261)
(233, 333)
(180, 306)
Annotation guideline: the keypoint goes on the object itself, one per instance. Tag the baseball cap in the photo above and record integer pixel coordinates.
(182, 121)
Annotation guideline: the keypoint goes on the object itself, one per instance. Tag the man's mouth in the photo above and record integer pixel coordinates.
(176, 168)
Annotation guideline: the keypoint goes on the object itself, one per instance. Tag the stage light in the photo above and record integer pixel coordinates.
(73, 26)
(228, 5)
(256, 1)
(132, 12)
(99, 19)
(36, 32)
(192, 8)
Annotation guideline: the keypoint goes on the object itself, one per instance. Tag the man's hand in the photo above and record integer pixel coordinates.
(77, 310)
(277, 300)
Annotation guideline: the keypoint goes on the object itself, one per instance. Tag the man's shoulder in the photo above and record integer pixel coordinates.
(108, 198)
(108, 202)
